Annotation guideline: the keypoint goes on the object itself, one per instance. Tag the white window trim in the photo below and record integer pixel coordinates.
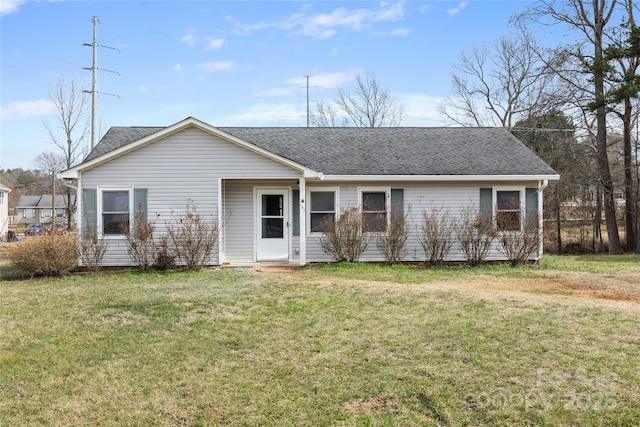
(494, 206)
(24, 213)
(99, 224)
(42, 215)
(387, 191)
(336, 205)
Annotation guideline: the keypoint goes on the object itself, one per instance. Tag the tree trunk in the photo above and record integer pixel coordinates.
(558, 231)
(597, 221)
(629, 203)
(601, 141)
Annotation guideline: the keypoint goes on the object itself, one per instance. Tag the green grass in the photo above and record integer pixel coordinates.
(315, 347)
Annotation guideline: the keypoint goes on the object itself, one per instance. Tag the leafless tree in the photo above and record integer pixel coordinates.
(368, 105)
(500, 84)
(626, 84)
(328, 116)
(69, 129)
(51, 163)
(590, 19)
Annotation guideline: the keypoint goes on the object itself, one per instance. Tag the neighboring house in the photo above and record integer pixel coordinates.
(37, 209)
(4, 210)
(270, 188)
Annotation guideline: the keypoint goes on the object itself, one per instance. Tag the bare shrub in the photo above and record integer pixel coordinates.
(518, 242)
(192, 237)
(392, 244)
(165, 258)
(343, 239)
(91, 249)
(437, 234)
(141, 246)
(48, 255)
(474, 233)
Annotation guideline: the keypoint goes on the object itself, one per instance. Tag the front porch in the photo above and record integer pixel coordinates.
(261, 222)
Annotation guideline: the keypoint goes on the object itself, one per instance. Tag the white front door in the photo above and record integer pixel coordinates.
(272, 224)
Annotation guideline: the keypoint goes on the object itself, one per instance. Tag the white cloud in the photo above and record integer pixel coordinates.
(215, 44)
(458, 9)
(143, 89)
(326, 25)
(10, 6)
(25, 109)
(190, 37)
(218, 66)
(400, 32)
(177, 67)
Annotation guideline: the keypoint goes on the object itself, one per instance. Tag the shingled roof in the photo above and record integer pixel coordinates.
(377, 151)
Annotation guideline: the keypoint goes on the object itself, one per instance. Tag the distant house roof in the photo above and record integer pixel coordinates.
(4, 189)
(41, 202)
(375, 151)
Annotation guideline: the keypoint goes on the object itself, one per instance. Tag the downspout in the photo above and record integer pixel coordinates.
(541, 187)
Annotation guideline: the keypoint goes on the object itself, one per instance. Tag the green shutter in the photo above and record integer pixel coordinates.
(89, 210)
(139, 202)
(397, 201)
(486, 203)
(295, 203)
(531, 203)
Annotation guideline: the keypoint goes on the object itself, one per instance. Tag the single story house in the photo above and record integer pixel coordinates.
(38, 209)
(4, 210)
(270, 188)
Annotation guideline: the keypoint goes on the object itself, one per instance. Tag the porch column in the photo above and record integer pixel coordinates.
(303, 220)
(220, 218)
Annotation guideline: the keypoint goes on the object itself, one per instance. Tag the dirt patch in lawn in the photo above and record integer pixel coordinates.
(620, 292)
(372, 405)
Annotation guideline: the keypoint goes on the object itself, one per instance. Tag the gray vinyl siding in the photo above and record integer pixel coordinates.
(418, 197)
(181, 167)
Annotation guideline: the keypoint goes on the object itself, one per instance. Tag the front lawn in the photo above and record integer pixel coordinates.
(554, 344)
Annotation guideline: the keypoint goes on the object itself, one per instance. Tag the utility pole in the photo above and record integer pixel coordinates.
(307, 100)
(94, 84)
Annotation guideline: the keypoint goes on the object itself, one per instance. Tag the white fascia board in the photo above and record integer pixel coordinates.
(441, 178)
(73, 172)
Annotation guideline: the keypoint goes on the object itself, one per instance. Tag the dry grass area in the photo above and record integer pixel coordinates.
(542, 282)
(554, 344)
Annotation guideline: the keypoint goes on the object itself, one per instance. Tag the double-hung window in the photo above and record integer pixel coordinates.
(116, 211)
(508, 210)
(322, 209)
(46, 213)
(29, 213)
(375, 210)
(59, 213)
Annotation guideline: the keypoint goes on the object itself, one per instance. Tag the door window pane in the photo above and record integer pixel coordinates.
(272, 204)
(272, 228)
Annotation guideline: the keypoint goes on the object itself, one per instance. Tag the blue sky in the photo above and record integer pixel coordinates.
(228, 63)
